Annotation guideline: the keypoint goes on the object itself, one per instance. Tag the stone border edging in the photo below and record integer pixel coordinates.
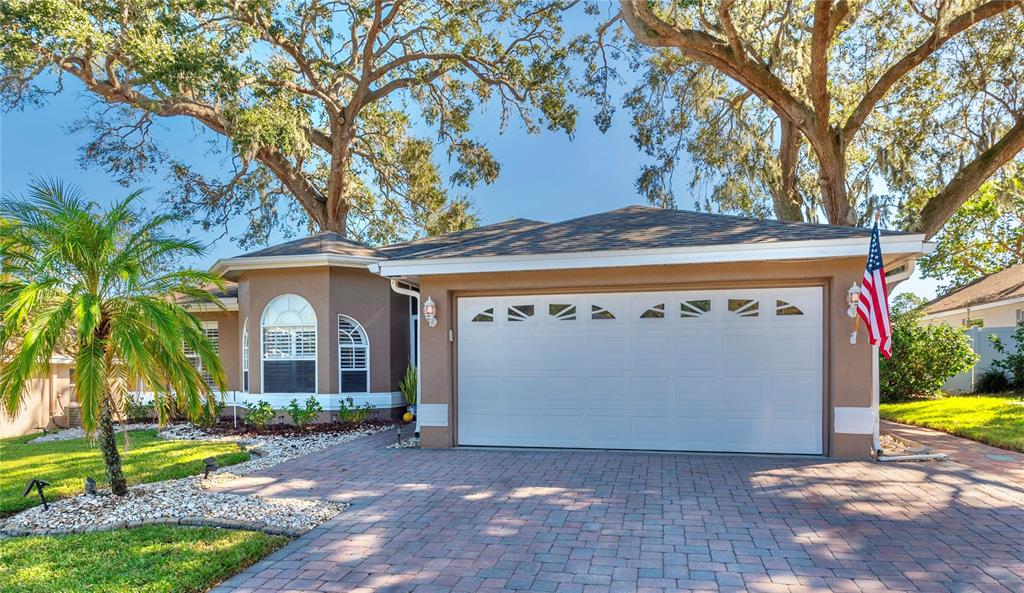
(182, 521)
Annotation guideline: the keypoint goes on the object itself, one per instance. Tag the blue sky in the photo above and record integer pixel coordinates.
(545, 176)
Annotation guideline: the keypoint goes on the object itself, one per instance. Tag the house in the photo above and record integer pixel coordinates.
(638, 328)
(997, 300)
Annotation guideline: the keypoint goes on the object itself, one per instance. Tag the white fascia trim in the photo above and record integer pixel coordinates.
(229, 304)
(236, 264)
(966, 310)
(741, 252)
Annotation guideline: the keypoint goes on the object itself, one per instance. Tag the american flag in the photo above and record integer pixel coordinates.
(874, 298)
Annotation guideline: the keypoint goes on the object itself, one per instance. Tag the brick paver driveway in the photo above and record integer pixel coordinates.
(492, 520)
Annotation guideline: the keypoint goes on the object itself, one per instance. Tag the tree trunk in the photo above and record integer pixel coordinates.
(788, 202)
(832, 181)
(337, 201)
(108, 445)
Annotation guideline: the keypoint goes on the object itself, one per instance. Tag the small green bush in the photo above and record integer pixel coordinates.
(991, 381)
(923, 357)
(136, 411)
(408, 385)
(259, 414)
(353, 413)
(303, 415)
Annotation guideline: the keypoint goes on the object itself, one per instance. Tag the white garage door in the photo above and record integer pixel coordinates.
(713, 370)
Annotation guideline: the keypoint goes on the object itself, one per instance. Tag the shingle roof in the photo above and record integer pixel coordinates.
(463, 238)
(326, 243)
(629, 228)
(996, 287)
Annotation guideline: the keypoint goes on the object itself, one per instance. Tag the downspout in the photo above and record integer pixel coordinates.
(419, 361)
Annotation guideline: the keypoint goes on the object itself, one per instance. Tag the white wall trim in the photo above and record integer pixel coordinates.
(432, 414)
(778, 250)
(241, 264)
(379, 400)
(853, 420)
(974, 309)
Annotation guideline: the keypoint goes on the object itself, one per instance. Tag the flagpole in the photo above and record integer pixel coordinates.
(876, 438)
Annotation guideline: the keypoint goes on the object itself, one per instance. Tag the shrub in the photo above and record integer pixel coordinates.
(1012, 362)
(259, 414)
(211, 415)
(408, 385)
(136, 411)
(353, 413)
(991, 381)
(923, 357)
(303, 415)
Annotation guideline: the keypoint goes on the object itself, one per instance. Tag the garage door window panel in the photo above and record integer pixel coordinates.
(562, 312)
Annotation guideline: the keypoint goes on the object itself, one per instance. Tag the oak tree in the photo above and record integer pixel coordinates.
(793, 108)
(343, 108)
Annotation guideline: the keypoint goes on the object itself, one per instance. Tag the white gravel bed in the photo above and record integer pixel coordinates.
(407, 443)
(174, 499)
(78, 433)
(187, 498)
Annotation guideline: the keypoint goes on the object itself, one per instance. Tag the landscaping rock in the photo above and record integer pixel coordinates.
(77, 433)
(185, 501)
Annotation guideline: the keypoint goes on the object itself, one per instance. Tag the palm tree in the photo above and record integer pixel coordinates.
(98, 285)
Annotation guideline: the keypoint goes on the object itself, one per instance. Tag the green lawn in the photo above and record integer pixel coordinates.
(65, 464)
(146, 560)
(996, 420)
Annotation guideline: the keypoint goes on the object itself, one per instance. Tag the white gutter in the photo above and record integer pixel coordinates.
(226, 304)
(234, 264)
(419, 361)
(971, 309)
(742, 252)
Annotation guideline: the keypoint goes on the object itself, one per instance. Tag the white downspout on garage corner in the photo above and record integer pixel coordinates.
(419, 361)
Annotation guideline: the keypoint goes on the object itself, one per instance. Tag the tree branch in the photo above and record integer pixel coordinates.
(916, 57)
(943, 204)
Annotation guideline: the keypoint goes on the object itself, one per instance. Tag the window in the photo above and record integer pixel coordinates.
(974, 323)
(562, 312)
(485, 316)
(414, 330)
(245, 355)
(693, 309)
(785, 309)
(1020, 316)
(288, 333)
(353, 356)
(520, 313)
(598, 312)
(212, 333)
(655, 312)
(743, 307)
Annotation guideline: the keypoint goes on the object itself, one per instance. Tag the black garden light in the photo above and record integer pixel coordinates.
(38, 485)
(90, 486)
(211, 466)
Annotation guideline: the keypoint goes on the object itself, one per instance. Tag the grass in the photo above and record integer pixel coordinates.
(993, 419)
(146, 560)
(65, 464)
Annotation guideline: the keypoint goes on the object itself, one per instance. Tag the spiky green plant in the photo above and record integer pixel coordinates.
(98, 285)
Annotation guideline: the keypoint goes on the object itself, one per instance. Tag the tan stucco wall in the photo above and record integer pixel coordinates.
(355, 292)
(229, 334)
(1001, 316)
(45, 403)
(847, 366)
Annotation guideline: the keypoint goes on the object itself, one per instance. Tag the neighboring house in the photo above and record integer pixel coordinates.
(638, 328)
(997, 300)
(50, 403)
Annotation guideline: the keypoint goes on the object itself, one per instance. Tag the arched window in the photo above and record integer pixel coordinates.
(353, 356)
(245, 355)
(289, 345)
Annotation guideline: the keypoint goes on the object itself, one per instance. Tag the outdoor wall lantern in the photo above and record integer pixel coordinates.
(430, 312)
(852, 300)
